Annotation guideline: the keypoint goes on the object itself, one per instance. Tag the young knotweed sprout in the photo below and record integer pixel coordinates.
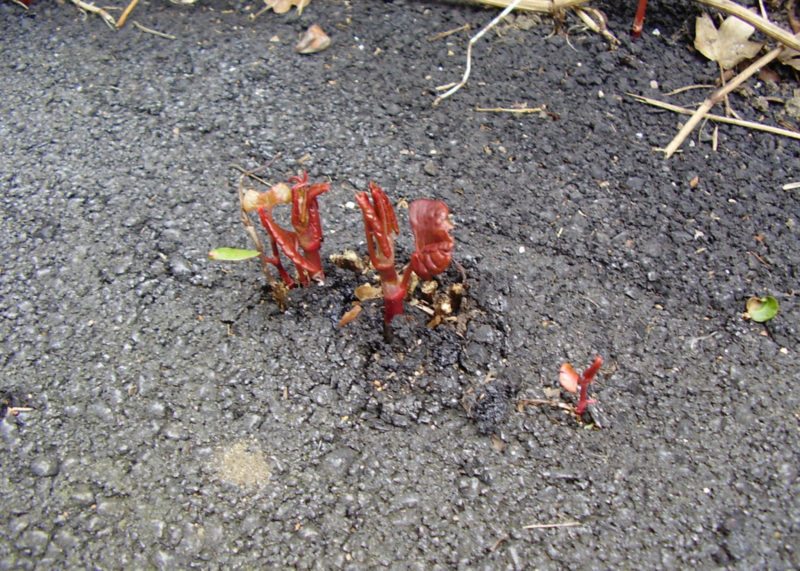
(380, 228)
(433, 245)
(301, 245)
(251, 200)
(306, 222)
(571, 382)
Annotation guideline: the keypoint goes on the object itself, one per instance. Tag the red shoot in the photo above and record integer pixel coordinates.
(570, 381)
(433, 252)
(638, 21)
(302, 245)
(380, 227)
(306, 221)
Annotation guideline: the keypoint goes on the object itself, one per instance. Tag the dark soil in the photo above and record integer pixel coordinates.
(160, 411)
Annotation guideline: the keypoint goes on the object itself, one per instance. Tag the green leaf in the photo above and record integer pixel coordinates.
(232, 254)
(761, 309)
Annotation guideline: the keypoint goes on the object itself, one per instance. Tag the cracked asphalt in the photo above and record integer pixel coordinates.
(160, 411)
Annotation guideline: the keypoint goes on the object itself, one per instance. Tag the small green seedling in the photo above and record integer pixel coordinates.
(761, 309)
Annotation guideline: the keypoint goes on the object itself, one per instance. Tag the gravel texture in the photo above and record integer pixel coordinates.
(159, 410)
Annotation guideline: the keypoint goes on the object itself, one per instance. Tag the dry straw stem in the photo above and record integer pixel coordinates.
(552, 525)
(547, 6)
(518, 110)
(453, 88)
(717, 118)
(594, 19)
(147, 30)
(775, 32)
(716, 97)
(91, 8)
(126, 12)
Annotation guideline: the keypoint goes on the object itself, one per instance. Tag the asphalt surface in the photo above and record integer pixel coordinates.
(159, 410)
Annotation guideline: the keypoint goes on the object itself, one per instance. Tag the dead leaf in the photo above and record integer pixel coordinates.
(313, 40)
(348, 260)
(283, 6)
(790, 57)
(428, 290)
(368, 291)
(568, 378)
(728, 45)
(350, 315)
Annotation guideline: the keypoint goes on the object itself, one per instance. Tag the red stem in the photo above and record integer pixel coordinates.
(586, 379)
(393, 296)
(275, 260)
(638, 21)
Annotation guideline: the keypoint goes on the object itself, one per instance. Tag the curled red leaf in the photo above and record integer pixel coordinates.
(430, 222)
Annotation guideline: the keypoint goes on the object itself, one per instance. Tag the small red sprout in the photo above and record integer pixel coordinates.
(570, 381)
(306, 221)
(302, 245)
(380, 227)
(638, 21)
(433, 251)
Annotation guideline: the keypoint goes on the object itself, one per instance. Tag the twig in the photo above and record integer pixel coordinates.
(596, 21)
(472, 41)
(126, 12)
(548, 6)
(552, 525)
(498, 543)
(446, 33)
(717, 118)
(763, 262)
(768, 28)
(716, 97)
(16, 410)
(762, 9)
(91, 8)
(544, 402)
(689, 88)
(519, 110)
(251, 174)
(147, 30)
(794, 23)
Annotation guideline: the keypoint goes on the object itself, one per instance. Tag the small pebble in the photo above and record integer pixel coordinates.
(45, 466)
(430, 169)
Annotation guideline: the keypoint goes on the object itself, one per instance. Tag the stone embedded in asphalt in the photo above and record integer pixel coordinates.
(45, 466)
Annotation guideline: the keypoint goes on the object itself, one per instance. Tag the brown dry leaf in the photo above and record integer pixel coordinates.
(368, 291)
(348, 260)
(428, 290)
(790, 57)
(283, 6)
(350, 315)
(313, 40)
(727, 45)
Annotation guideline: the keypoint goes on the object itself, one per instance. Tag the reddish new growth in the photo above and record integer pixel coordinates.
(570, 381)
(433, 245)
(638, 21)
(302, 245)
